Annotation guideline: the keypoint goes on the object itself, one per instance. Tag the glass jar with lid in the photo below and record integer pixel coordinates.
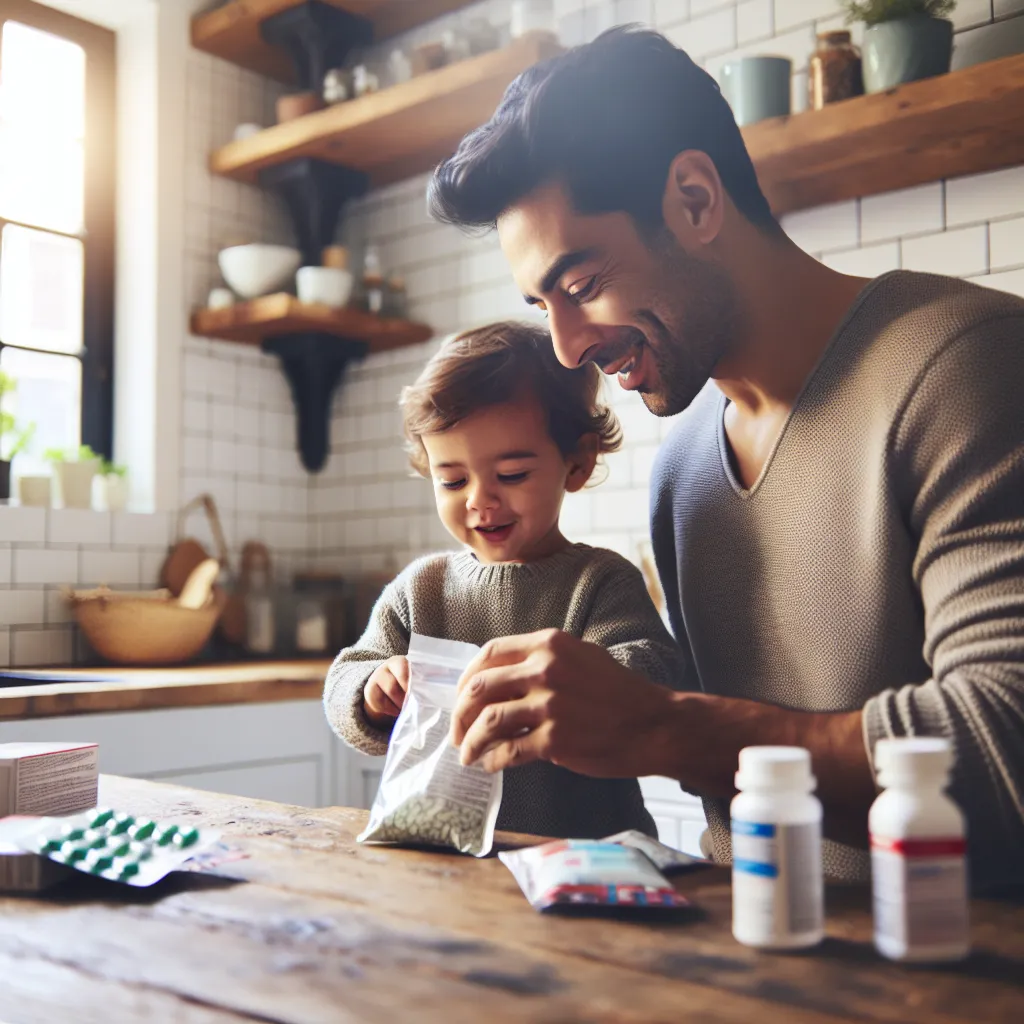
(835, 70)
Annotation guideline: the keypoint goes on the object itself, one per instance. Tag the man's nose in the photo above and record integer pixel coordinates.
(569, 334)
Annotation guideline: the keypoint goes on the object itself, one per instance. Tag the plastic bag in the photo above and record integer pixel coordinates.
(426, 797)
(590, 873)
(664, 858)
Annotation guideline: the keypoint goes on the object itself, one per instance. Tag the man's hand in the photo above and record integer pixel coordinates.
(549, 696)
(384, 693)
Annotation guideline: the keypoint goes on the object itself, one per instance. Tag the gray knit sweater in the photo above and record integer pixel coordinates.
(593, 594)
(878, 562)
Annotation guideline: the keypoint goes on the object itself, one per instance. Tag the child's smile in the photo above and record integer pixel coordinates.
(499, 480)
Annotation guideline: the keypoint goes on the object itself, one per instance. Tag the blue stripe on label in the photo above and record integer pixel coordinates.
(754, 867)
(752, 828)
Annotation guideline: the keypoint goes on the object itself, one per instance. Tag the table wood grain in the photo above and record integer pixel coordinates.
(27, 693)
(325, 931)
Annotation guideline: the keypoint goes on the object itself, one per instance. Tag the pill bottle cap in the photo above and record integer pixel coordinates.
(913, 759)
(775, 768)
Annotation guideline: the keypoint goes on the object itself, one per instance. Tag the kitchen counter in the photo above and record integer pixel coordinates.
(47, 693)
(324, 929)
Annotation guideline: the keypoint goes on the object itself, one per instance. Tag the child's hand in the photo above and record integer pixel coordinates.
(384, 693)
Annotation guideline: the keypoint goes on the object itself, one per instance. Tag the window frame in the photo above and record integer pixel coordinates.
(99, 234)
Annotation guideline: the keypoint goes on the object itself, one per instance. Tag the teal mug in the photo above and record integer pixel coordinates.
(757, 87)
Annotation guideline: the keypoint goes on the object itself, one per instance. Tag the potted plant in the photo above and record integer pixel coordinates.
(904, 39)
(72, 476)
(13, 439)
(110, 488)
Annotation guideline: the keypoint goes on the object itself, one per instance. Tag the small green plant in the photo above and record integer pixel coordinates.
(9, 425)
(873, 12)
(83, 454)
(108, 468)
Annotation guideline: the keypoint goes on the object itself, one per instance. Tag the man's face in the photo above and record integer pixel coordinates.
(645, 309)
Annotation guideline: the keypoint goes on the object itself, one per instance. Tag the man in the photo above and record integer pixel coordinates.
(838, 518)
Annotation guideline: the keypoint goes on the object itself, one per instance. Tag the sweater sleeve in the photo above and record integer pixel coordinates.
(386, 635)
(958, 460)
(623, 620)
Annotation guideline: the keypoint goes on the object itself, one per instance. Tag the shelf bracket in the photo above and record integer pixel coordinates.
(317, 37)
(314, 364)
(314, 193)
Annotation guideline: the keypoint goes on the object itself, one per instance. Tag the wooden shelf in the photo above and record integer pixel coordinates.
(965, 122)
(232, 32)
(272, 316)
(397, 132)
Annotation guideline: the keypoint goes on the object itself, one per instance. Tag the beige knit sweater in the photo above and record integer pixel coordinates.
(878, 562)
(590, 593)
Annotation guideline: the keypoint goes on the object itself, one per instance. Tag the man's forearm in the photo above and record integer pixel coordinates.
(699, 738)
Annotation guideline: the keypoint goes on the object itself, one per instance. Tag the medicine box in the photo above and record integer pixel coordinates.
(48, 778)
(25, 872)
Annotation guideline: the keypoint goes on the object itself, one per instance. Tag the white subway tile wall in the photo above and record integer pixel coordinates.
(366, 511)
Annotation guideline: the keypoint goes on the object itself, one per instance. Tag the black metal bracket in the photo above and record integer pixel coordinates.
(317, 37)
(314, 192)
(315, 364)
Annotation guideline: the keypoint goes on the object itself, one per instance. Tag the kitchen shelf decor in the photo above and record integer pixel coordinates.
(964, 122)
(248, 32)
(315, 345)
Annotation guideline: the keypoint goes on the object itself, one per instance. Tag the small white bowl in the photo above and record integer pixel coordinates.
(258, 269)
(329, 286)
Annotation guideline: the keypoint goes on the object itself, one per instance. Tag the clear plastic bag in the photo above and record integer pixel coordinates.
(426, 797)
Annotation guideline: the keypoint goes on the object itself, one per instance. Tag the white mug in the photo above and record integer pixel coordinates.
(329, 286)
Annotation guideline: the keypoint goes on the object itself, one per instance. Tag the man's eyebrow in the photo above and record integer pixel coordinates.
(564, 262)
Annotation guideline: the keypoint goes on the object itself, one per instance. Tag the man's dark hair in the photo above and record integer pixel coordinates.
(606, 120)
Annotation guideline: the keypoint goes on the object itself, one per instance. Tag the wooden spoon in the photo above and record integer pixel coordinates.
(199, 585)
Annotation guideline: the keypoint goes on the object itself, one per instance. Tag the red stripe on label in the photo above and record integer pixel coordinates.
(939, 847)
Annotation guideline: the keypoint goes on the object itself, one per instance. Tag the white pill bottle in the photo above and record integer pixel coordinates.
(777, 887)
(918, 854)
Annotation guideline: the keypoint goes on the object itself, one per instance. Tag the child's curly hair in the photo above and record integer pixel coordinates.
(499, 363)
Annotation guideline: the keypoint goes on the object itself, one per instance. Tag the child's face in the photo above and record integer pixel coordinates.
(499, 480)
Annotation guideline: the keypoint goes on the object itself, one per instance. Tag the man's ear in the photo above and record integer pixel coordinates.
(581, 463)
(693, 205)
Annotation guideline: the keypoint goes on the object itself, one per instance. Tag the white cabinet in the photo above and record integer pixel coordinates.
(678, 815)
(280, 751)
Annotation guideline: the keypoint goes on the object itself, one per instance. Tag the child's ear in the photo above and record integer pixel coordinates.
(581, 463)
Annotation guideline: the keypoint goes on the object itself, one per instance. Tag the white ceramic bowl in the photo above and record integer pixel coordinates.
(331, 286)
(257, 269)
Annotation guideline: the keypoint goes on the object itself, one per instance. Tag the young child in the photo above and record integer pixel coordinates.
(504, 432)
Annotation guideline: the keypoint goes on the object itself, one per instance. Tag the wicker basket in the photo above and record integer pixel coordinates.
(148, 628)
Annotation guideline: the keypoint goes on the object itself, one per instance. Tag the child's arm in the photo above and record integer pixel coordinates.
(386, 637)
(624, 621)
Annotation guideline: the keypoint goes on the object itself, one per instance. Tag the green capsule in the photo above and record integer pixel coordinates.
(97, 861)
(128, 870)
(93, 840)
(72, 854)
(186, 837)
(119, 848)
(166, 835)
(141, 851)
(142, 829)
(120, 823)
(71, 833)
(101, 817)
(47, 846)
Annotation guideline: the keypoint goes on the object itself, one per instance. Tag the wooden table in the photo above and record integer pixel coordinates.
(46, 693)
(329, 931)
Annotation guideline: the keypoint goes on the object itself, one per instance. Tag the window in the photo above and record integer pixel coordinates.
(57, 161)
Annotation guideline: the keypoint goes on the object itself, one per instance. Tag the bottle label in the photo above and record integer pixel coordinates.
(777, 886)
(919, 890)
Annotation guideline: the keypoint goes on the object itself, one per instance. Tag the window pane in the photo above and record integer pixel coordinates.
(49, 395)
(41, 286)
(43, 82)
(42, 123)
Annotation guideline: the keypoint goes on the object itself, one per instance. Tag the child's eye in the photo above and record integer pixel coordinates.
(452, 485)
(513, 478)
